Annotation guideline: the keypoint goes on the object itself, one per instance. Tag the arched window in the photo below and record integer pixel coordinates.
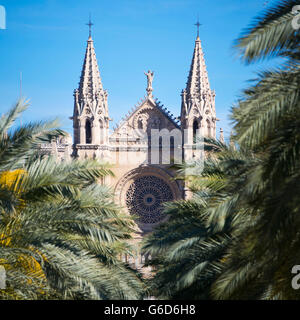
(160, 150)
(76, 131)
(172, 153)
(88, 132)
(195, 128)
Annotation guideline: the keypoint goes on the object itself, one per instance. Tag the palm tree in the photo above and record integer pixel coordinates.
(61, 235)
(252, 193)
(260, 261)
(189, 250)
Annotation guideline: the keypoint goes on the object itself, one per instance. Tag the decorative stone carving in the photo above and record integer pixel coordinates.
(195, 112)
(154, 122)
(141, 187)
(141, 179)
(150, 76)
(90, 101)
(140, 121)
(145, 197)
(197, 94)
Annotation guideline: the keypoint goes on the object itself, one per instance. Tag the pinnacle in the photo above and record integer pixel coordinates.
(90, 94)
(198, 100)
(198, 77)
(90, 81)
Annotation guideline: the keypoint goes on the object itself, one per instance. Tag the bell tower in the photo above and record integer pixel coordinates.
(90, 115)
(197, 102)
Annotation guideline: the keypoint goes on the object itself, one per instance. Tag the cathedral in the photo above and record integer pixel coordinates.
(143, 147)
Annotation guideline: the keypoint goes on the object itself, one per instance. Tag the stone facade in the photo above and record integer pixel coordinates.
(143, 174)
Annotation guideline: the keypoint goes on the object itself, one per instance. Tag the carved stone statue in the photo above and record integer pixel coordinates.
(150, 76)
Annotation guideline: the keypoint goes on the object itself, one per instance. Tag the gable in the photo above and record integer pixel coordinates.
(148, 115)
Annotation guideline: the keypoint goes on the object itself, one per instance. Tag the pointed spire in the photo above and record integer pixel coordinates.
(90, 94)
(198, 100)
(198, 78)
(90, 80)
(90, 116)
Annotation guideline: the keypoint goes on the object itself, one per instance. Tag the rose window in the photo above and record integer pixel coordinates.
(145, 197)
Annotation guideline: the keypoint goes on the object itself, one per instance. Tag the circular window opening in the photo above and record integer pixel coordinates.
(145, 197)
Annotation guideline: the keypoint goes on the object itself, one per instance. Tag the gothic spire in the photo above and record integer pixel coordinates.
(90, 80)
(198, 78)
(90, 116)
(90, 94)
(198, 100)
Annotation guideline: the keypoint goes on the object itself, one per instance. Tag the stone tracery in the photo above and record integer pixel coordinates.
(145, 196)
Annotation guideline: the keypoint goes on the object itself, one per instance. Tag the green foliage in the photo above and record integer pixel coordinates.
(61, 235)
(238, 237)
(189, 249)
(266, 121)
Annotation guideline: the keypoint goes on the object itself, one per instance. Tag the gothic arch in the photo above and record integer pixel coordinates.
(194, 124)
(198, 119)
(76, 128)
(195, 130)
(88, 131)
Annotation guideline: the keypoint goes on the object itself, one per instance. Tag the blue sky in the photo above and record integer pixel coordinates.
(46, 41)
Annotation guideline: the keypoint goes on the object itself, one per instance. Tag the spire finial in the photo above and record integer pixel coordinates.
(198, 24)
(90, 24)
